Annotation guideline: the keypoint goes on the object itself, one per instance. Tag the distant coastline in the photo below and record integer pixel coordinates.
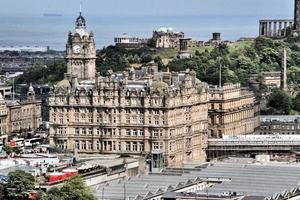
(52, 15)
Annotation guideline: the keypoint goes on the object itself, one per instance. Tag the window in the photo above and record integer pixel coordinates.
(134, 119)
(160, 133)
(141, 146)
(98, 131)
(61, 144)
(155, 133)
(114, 146)
(141, 119)
(128, 146)
(91, 118)
(134, 146)
(90, 131)
(128, 119)
(89, 145)
(83, 117)
(141, 132)
(77, 145)
(58, 131)
(119, 146)
(128, 132)
(61, 120)
(155, 145)
(150, 121)
(98, 145)
(77, 131)
(76, 118)
(83, 131)
(156, 120)
(83, 145)
(134, 132)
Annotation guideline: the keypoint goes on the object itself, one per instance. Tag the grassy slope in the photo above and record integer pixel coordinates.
(167, 54)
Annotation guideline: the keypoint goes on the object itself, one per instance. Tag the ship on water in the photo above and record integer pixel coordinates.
(52, 15)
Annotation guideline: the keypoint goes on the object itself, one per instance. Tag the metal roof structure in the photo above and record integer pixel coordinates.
(279, 118)
(240, 176)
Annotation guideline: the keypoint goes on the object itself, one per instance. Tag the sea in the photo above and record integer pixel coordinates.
(52, 31)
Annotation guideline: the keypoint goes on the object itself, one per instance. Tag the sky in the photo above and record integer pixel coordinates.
(263, 8)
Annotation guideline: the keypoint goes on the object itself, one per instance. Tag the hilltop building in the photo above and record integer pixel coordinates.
(128, 42)
(281, 27)
(165, 38)
(216, 39)
(132, 112)
(269, 79)
(183, 48)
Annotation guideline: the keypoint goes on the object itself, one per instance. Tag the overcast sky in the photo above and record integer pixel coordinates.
(279, 8)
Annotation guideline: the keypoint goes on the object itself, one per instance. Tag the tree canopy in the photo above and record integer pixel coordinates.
(51, 72)
(279, 103)
(73, 188)
(19, 184)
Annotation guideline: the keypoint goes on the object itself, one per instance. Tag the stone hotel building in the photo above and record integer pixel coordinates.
(232, 111)
(132, 112)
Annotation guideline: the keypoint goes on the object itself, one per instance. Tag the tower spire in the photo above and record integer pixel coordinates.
(80, 7)
(80, 21)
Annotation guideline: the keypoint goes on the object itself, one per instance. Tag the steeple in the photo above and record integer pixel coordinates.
(80, 21)
(30, 93)
(81, 51)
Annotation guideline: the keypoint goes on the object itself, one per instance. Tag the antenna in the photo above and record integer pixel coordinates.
(80, 8)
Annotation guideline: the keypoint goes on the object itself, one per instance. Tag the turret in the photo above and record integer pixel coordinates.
(30, 93)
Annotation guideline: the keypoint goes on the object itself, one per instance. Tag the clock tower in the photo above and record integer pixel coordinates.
(81, 52)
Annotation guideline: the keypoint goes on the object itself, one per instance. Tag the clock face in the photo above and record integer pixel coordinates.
(76, 49)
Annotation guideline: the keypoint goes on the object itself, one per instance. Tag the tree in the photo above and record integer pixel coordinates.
(159, 62)
(55, 194)
(40, 195)
(73, 188)
(19, 184)
(296, 102)
(8, 149)
(280, 101)
(2, 191)
(51, 72)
